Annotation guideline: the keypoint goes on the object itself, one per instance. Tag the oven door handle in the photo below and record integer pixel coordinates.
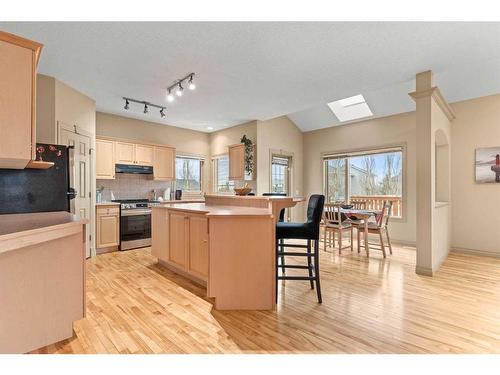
(135, 212)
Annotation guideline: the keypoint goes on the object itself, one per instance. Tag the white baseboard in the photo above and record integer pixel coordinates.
(404, 242)
(476, 252)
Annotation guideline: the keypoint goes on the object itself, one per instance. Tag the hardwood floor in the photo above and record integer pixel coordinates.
(370, 306)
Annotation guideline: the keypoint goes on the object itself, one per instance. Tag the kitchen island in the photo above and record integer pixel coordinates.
(42, 279)
(226, 243)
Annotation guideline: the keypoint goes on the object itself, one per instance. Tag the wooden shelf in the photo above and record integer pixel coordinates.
(34, 164)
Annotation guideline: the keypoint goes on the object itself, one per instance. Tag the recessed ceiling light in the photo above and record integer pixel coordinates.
(352, 108)
(210, 128)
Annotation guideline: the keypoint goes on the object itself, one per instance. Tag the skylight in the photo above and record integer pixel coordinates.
(352, 108)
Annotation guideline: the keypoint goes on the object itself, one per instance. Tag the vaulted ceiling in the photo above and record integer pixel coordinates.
(249, 71)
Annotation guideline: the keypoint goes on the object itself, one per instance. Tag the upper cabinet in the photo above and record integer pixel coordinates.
(18, 62)
(237, 163)
(105, 164)
(164, 163)
(143, 154)
(110, 152)
(131, 153)
(124, 153)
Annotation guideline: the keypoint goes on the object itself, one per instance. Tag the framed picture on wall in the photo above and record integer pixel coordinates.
(488, 165)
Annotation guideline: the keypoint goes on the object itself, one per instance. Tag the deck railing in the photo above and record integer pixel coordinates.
(375, 202)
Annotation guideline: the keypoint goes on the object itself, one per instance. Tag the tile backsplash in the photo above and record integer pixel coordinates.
(130, 186)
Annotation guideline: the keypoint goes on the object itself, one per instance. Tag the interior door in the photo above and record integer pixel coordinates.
(79, 174)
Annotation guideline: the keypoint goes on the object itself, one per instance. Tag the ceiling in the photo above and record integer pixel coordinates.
(257, 71)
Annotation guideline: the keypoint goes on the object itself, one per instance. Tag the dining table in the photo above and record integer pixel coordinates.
(364, 215)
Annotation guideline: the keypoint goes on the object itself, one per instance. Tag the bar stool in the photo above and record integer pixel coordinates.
(308, 231)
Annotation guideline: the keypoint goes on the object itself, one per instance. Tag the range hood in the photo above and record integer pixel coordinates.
(135, 169)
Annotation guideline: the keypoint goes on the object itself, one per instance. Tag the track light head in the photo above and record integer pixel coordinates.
(191, 84)
(146, 108)
(179, 90)
(126, 104)
(162, 112)
(170, 97)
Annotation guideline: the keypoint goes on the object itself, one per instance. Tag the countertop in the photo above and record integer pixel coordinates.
(257, 197)
(107, 204)
(21, 230)
(215, 210)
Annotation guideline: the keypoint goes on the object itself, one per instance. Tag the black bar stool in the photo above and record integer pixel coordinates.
(308, 231)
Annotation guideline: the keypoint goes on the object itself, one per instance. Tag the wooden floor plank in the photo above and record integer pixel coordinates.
(370, 305)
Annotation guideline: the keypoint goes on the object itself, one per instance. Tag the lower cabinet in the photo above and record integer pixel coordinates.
(188, 243)
(107, 227)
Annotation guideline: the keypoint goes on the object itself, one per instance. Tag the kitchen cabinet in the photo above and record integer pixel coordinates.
(164, 163)
(105, 164)
(143, 154)
(124, 153)
(107, 227)
(133, 153)
(198, 246)
(180, 241)
(237, 163)
(179, 229)
(19, 60)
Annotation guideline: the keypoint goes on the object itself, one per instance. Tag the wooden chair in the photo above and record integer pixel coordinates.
(380, 227)
(359, 205)
(357, 223)
(333, 223)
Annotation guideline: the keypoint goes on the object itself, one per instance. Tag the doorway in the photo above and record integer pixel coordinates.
(79, 174)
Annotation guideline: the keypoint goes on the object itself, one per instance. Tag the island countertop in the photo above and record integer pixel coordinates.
(214, 210)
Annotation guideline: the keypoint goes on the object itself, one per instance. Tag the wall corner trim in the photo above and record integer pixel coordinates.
(423, 271)
(438, 97)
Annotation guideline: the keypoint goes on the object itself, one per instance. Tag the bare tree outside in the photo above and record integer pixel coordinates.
(368, 181)
(391, 183)
(336, 180)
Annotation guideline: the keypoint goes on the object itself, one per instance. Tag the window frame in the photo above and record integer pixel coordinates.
(372, 150)
(202, 165)
(215, 175)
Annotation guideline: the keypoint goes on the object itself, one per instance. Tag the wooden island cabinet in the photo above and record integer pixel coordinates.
(226, 244)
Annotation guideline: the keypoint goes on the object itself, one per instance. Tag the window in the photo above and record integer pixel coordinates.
(221, 175)
(279, 174)
(369, 176)
(188, 173)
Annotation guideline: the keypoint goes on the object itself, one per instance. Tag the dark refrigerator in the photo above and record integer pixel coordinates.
(38, 190)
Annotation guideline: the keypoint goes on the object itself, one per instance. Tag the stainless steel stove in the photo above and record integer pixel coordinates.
(135, 223)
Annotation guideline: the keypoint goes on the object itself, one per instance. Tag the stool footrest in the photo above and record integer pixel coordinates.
(295, 266)
(296, 254)
(296, 278)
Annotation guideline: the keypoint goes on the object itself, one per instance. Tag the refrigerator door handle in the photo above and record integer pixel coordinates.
(71, 190)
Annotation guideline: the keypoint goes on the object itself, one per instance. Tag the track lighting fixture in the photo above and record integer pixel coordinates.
(179, 90)
(146, 105)
(170, 97)
(191, 84)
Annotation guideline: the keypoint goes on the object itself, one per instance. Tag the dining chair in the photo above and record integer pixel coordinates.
(380, 227)
(308, 231)
(334, 223)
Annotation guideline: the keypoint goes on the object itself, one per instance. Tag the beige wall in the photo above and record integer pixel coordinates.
(220, 140)
(386, 131)
(185, 141)
(45, 109)
(280, 136)
(60, 104)
(476, 207)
